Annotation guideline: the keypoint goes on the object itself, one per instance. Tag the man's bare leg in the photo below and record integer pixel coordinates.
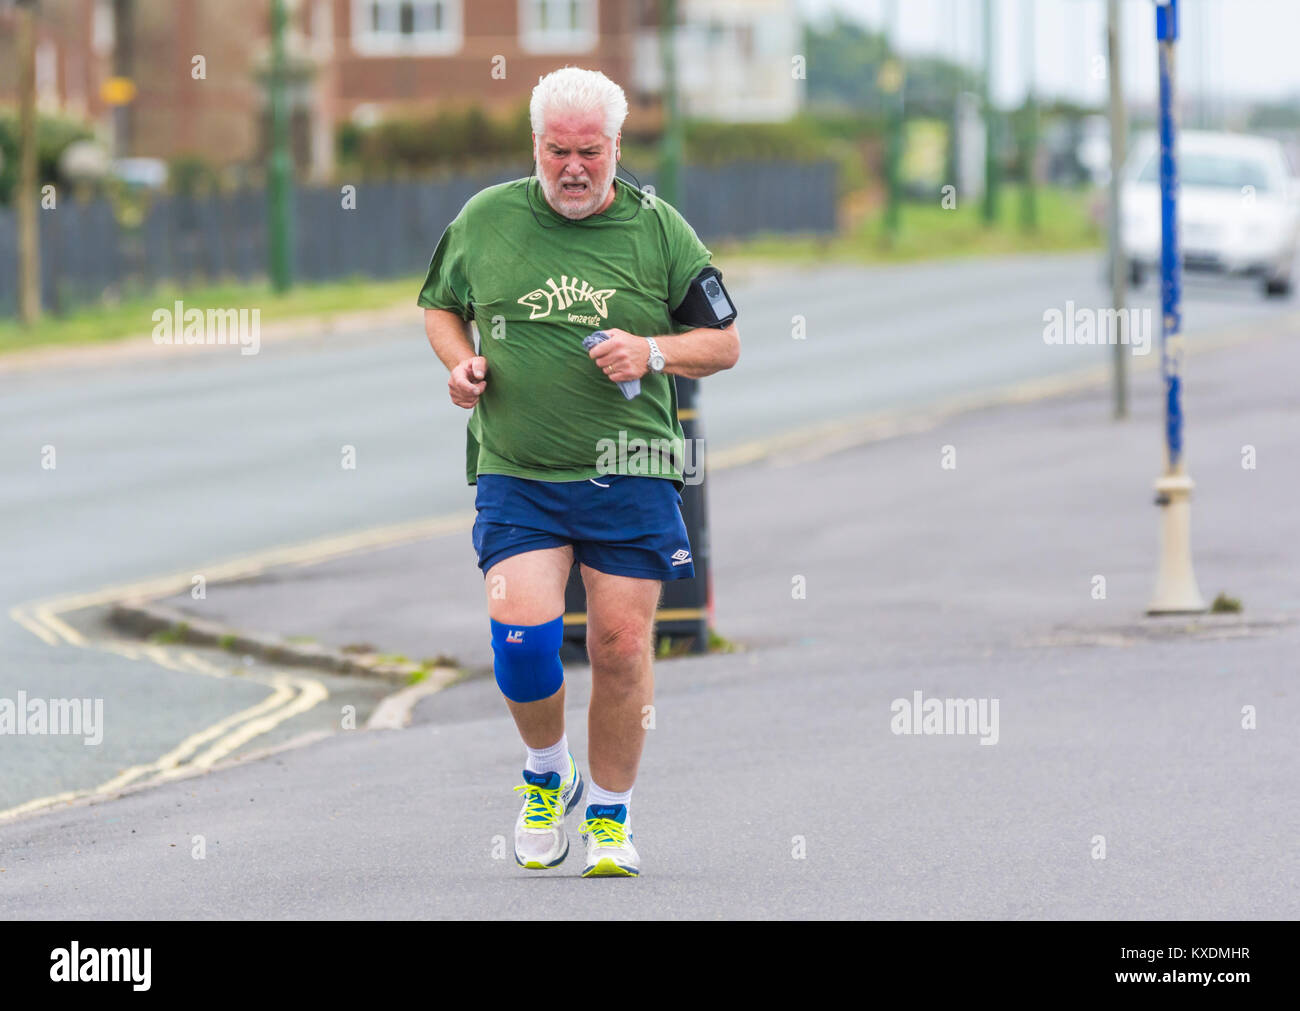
(528, 589)
(620, 625)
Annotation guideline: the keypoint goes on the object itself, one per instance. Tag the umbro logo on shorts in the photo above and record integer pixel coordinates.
(681, 556)
(515, 635)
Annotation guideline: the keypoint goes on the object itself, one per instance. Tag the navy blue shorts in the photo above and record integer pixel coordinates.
(622, 524)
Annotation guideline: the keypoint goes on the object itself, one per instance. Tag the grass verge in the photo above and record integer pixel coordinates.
(133, 317)
(929, 232)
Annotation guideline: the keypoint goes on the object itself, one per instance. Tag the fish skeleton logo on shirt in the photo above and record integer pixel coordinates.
(541, 302)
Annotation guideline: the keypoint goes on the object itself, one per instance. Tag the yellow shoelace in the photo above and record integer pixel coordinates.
(607, 831)
(543, 804)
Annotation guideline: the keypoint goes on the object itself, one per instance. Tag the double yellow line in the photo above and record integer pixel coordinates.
(290, 694)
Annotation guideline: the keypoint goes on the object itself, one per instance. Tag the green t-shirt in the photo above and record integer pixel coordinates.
(535, 284)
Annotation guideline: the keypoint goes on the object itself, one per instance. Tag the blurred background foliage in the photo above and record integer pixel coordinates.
(53, 134)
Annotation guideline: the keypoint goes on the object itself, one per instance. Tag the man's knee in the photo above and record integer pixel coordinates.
(620, 648)
(526, 659)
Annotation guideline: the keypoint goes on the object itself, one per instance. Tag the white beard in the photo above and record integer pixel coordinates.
(572, 209)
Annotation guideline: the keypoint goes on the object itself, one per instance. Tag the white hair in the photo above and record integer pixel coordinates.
(572, 89)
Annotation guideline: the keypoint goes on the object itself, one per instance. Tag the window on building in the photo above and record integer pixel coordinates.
(398, 27)
(47, 76)
(322, 26)
(558, 26)
(101, 38)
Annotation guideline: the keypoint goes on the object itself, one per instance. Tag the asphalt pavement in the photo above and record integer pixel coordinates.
(1135, 768)
(176, 460)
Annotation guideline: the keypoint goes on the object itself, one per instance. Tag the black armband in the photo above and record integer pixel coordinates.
(707, 303)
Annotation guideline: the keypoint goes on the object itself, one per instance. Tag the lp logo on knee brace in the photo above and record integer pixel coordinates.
(527, 659)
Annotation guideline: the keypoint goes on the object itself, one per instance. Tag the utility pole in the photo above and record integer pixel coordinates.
(1118, 263)
(670, 151)
(890, 83)
(1176, 590)
(1202, 66)
(952, 53)
(29, 251)
(279, 194)
(123, 71)
(990, 124)
(1029, 132)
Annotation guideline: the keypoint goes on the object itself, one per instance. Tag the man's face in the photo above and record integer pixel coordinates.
(576, 162)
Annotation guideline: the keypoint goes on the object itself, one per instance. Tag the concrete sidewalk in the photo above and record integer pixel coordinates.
(773, 784)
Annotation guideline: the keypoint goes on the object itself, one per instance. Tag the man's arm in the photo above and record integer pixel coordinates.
(450, 339)
(693, 354)
(700, 352)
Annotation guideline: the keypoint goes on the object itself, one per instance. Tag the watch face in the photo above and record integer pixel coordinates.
(656, 363)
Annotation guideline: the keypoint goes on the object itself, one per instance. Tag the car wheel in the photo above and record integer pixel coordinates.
(1277, 287)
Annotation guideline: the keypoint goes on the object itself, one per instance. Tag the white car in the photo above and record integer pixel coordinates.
(1239, 208)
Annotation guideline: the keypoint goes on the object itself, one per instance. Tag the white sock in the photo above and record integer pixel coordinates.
(552, 759)
(600, 798)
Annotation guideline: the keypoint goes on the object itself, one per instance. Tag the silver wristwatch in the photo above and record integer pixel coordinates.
(656, 357)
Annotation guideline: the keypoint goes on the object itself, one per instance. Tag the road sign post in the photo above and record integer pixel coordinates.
(991, 168)
(673, 141)
(1176, 590)
(1118, 262)
(29, 257)
(1029, 121)
(279, 189)
(890, 83)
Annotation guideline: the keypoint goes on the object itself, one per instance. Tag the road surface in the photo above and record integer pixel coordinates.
(172, 462)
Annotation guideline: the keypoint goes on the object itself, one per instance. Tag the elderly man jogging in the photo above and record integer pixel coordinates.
(540, 264)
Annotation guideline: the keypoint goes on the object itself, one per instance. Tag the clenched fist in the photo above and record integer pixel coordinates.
(467, 381)
(623, 357)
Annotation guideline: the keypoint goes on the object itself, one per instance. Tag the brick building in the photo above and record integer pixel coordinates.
(72, 52)
(363, 60)
(81, 44)
(405, 56)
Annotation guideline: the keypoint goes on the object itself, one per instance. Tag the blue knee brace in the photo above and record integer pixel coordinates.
(527, 659)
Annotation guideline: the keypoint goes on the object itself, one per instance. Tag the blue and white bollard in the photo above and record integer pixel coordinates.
(1176, 590)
